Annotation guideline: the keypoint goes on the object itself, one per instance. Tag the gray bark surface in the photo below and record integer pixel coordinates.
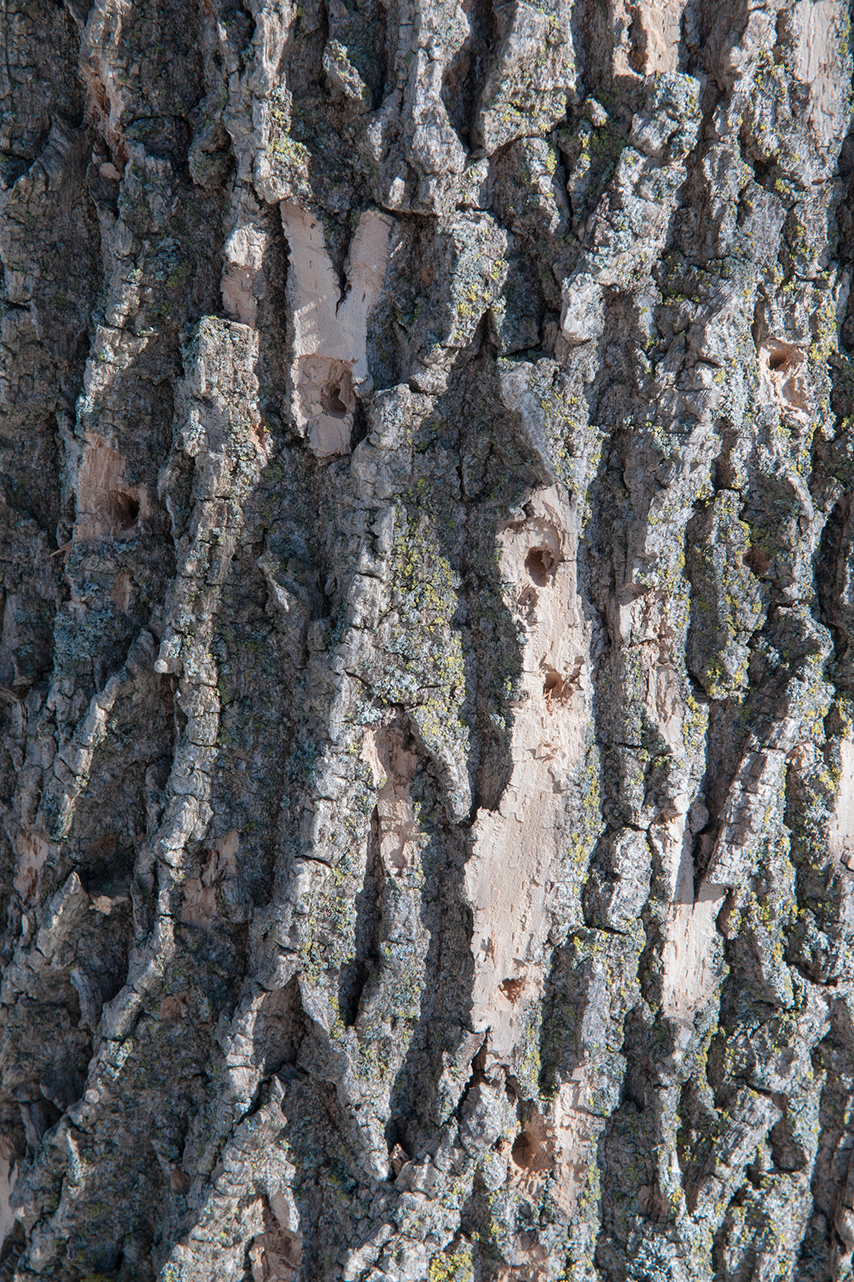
(426, 686)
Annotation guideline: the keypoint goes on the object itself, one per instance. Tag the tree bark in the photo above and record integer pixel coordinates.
(427, 694)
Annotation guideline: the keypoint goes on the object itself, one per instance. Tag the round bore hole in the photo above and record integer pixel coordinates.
(756, 560)
(512, 989)
(524, 1151)
(553, 685)
(539, 564)
(332, 401)
(124, 509)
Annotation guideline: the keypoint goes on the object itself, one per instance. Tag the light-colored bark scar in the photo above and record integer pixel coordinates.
(783, 378)
(8, 1173)
(330, 366)
(201, 893)
(841, 827)
(393, 766)
(518, 846)
(821, 50)
(243, 276)
(556, 1149)
(688, 957)
(32, 853)
(107, 507)
(646, 36)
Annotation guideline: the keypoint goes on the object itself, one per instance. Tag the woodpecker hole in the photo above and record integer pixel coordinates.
(512, 989)
(123, 509)
(331, 400)
(756, 560)
(524, 1151)
(540, 565)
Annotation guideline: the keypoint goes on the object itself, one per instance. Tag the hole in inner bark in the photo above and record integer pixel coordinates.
(539, 563)
(332, 402)
(533, 1148)
(756, 560)
(556, 689)
(724, 474)
(782, 363)
(107, 507)
(512, 989)
(124, 509)
(524, 1151)
(552, 685)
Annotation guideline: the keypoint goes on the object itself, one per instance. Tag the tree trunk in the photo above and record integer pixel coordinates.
(427, 693)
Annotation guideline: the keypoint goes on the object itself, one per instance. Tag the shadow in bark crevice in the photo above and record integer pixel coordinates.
(368, 937)
(466, 74)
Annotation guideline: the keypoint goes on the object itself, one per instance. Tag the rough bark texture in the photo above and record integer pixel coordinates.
(426, 533)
